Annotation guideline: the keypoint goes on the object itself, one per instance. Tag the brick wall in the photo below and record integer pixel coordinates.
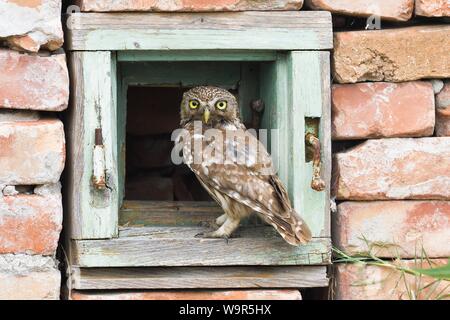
(34, 85)
(258, 294)
(390, 126)
(390, 129)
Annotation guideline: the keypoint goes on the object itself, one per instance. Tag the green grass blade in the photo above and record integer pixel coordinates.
(442, 273)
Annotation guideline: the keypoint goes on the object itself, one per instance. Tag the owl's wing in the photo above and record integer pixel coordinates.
(253, 182)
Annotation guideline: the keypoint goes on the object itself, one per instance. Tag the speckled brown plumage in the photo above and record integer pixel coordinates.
(246, 182)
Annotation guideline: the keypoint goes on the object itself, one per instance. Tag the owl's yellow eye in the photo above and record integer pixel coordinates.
(193, 104)
(221, 105)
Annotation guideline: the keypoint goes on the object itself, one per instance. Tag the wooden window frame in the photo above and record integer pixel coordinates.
(299, 86)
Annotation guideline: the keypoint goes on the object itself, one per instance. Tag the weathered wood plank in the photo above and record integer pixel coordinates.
(202, 20)
(251, 30)
(325, 141)
(122, 88)
(179, 213)
(274, 92)
(74, 147)
(199, 277)
(195, 55)
(309, 98)
(185, 74)
(296, 88)
(174, 213)
(93, 212)
(177, 246)
(187, 6)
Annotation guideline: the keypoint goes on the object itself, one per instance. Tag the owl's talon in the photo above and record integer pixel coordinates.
(208, 224)
(200, 235)
(212, 235)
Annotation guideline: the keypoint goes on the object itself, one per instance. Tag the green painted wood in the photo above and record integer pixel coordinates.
(196, 55)
(122, 87)
(295, 88)
(177, 246)
(274, 92)
(93, 212)
(297, 181)
(168, 213)
(289, 30)
(309, 97)
(199, 277)
(184, 39)
(174, 213)
(185, 74)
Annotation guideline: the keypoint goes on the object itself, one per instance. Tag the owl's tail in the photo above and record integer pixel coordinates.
(287, 222)
(300, 230)
(292, 228)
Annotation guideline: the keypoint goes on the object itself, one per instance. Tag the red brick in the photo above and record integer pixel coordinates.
(400, 10)
(31, 24)
(375, 110)
(188, 5)
(33, 286)
(190, 295)
(393, 55)
(362, 282)
(443, 111)
(33, 82)
(31, 152)
(30, 223)
(394, 169)
(432, 8)
(24, 277)
(393, 228)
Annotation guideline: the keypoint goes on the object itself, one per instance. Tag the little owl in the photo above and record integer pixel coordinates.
(240, 178)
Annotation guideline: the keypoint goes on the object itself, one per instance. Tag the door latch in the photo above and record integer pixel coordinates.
(99, 167)
(317, 182)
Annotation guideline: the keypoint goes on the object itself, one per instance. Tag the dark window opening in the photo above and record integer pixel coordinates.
(152, 115)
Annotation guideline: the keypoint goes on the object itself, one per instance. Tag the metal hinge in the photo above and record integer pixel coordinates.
(317, 182)
(99, 167)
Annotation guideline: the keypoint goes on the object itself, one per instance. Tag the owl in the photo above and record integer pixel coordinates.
(233, 166)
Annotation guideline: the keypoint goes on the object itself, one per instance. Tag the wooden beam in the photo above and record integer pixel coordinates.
(223, 74)
(177, 246)
(93, 212)
(251, 30)
(309, 98)
(198, 277)
(187, 6)
(175, 213)
(196, 55)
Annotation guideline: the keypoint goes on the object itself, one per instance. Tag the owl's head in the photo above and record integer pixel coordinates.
(210, 105)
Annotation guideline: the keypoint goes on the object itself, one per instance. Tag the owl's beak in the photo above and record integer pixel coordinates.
(206, 115)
